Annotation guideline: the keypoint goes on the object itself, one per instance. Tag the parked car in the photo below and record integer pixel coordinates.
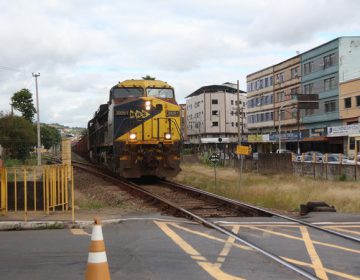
(335, 159)
(352, 161)
(308, 157)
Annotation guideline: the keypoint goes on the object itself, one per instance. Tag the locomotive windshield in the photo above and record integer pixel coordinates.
(160, 92)
(127, 92)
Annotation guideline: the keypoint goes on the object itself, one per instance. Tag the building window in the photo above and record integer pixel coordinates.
(280, 77)
(280, 96)
(309, 112)
(329, 60)
(294, 72)
(308, 68)
(232, 124)
(294, 91)
(215, 112)
(347, 102)
(215, 124)
(214, 101)
(358, 100)
(330, 106)
(308, 89)
(329, 83)
(232, 102)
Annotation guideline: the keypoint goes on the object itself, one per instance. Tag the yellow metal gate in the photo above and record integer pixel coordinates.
(37, 188)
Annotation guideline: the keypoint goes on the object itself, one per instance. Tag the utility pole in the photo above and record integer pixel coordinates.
(238, 113)
(38, 120)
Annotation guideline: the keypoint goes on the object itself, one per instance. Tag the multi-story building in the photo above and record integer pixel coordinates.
(183, 127)
(212, 114)
(326, 70)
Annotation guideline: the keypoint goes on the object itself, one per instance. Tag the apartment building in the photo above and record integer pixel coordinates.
(324, 70)
(212, 114)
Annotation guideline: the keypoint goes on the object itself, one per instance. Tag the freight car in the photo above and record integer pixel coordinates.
(137, 132)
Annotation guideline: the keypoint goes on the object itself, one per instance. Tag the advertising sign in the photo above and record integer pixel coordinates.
(344, 130)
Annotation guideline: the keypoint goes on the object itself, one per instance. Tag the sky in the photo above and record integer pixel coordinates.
(83, 48)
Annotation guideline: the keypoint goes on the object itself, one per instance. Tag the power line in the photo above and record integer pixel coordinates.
(6, 68)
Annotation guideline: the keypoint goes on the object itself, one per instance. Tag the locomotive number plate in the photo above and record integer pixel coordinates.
(121, 113)
(172, 113)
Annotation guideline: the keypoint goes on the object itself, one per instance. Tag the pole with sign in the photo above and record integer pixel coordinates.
(242, 151)
(214, 159)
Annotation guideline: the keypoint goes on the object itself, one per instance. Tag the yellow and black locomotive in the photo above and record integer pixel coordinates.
(137, 133)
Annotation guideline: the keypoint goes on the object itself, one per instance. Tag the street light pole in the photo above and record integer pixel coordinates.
(238, 113)
(38, 119)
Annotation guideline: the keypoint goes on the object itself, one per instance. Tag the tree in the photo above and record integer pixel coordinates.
(17, 135)
(50, 136)
(23, 102)
(148, 77)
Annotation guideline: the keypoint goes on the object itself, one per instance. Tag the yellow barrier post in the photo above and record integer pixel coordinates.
(34, 189)
(47, 191)
(6, 191)
(43, 189)
(25, 196)
(72, 196)
(68, 173)
(15, 190)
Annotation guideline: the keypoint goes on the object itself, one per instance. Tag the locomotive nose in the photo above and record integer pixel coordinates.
(150, 160)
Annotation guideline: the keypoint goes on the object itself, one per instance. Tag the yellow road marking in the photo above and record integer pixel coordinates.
(334, 272)
(298, 238)
(210, 268)
(210, 237)
(345, 230)
(79, 231)
(227, 247)
(316, 261)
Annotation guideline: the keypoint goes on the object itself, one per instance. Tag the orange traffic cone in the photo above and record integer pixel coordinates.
(97, 267)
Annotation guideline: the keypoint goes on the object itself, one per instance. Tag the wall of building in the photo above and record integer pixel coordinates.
(315, 79)
(350, 89)
(349, 58)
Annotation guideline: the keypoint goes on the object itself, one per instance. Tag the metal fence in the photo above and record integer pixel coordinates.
(46, 188)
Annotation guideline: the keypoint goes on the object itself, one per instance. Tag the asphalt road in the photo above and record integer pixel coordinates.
(166, 249)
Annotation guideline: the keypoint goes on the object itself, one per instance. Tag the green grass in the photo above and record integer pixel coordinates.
(91, 205)
(281, 192)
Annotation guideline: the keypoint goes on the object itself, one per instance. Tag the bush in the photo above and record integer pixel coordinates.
(17, 136)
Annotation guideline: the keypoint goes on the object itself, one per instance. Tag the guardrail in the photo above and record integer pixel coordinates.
(46, 188)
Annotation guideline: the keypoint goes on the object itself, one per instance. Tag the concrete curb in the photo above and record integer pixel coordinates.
(39, 225)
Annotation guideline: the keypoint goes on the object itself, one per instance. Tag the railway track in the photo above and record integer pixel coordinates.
(200, 206)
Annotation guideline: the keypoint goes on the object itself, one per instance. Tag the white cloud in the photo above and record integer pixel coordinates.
(82, 48)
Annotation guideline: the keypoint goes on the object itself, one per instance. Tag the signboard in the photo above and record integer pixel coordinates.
(243, 150)
(214, 158)
(290, 136)
(256, 138)
(344, 130)
(308, 101)
(215, 140)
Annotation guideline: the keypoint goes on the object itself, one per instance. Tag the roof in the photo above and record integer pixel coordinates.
(215, 88)
(143, 83)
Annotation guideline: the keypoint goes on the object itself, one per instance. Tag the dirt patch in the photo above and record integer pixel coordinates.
(95, 194)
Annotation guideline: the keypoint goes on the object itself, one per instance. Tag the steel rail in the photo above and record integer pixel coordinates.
(208, 223)
(265, 211)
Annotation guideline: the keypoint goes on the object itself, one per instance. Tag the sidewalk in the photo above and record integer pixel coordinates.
(58, 220)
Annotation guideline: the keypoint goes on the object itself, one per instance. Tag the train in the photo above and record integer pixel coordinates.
(137, 132)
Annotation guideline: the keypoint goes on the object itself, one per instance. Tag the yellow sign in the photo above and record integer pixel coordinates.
(243, 150)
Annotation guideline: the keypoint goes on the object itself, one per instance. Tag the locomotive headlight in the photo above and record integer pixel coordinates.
(132, 136)
(147, 105)
(167, 136)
